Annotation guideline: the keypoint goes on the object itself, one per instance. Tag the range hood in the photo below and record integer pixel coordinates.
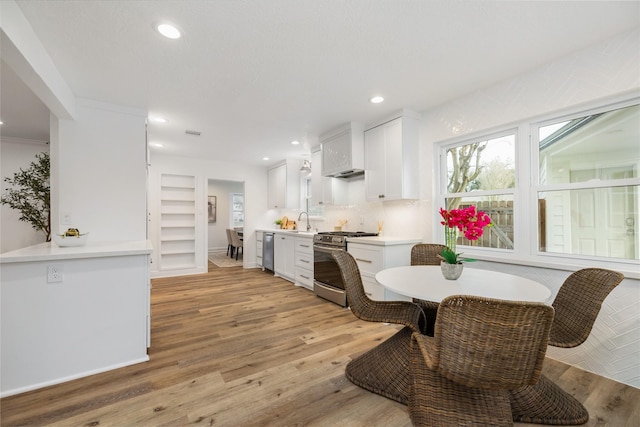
(343, 151)
(351, 173)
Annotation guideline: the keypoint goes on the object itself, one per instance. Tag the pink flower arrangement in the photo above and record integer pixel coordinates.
(467, 220)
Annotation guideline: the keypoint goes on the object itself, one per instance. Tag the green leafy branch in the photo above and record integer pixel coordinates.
(30, 194)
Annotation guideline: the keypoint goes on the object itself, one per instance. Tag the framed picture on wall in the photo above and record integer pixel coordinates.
(212, 208)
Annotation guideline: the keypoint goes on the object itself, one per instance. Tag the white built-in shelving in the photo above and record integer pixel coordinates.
(177, 222)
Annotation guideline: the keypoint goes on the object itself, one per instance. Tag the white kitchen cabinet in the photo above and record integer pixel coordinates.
(259, 235)
(283, 188)
(304, 261)
(375, 254)
(392, 160)
(343, 150)
(284, 256)
(326, 190)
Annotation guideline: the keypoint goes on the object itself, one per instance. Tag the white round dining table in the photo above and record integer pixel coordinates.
(426, 282)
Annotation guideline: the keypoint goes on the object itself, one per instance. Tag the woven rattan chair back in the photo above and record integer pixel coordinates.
(426, 253)
(399, 312)
(578, 303)
(491, 344)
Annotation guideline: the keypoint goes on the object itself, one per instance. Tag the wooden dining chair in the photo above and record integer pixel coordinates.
(385, 368)
(427, 254)
(576, 305)
(481, 349)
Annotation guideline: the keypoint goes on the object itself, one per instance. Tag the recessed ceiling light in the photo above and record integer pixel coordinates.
(376, 99)
(169, 31)
(156, 144)
(295, 142)
(159, 119)
(265, 158)
(1, 122)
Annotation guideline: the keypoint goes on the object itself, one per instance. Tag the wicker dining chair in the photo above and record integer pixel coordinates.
(481, 349)
(385, 368)
(576, 305)
(427, 254)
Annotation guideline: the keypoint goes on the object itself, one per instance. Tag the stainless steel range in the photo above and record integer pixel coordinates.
(327, 280)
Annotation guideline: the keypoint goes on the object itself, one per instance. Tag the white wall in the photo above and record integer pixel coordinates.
(16, 154)
(216, 231)
(98, 168)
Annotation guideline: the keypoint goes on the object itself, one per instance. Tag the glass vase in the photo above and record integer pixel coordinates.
(451, 238)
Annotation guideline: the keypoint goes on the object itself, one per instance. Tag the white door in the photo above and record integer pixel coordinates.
(603, 220)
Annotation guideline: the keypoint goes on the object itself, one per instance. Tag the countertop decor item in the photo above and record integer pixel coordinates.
(71, 237)
(467, 220)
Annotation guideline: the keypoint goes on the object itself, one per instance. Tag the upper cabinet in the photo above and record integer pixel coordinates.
(284, 186)
(392, 159)
(343, 151)
(325, 190)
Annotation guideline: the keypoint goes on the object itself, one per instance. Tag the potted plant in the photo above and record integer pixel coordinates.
(30, 194)
(471, 223)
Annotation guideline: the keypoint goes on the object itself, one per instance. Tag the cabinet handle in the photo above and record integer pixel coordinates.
(304, 277)
(320, 203)
(380, 196)
(304, 260)
(304, 246)
(364, 260)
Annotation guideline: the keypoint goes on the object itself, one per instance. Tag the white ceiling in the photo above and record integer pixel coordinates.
(253, 75)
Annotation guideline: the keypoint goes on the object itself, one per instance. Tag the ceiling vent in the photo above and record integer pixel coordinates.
(192, 132)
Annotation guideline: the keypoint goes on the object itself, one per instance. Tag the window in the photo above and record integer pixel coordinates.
(237, 210)
(482, 172)
(573, 193)
(309, 207)
(587, 184)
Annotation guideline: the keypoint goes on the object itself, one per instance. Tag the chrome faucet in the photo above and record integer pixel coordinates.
(300, 216)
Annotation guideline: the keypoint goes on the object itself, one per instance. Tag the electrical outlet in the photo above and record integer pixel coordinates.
(54, 273)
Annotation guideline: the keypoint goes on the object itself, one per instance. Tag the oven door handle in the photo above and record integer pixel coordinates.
(327, 249)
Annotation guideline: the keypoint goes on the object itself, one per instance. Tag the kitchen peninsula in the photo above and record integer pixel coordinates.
(70, 312)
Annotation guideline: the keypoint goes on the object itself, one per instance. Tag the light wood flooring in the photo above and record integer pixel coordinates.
(240, 347)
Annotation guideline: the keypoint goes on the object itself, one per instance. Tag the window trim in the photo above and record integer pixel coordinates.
(525, 194)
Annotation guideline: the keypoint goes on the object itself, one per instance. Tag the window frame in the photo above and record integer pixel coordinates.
(525, 193)
(443, 181)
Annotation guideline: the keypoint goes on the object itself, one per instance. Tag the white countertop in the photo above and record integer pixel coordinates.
(370, 240)
(383, 240)
(51, 251)
(301, 233)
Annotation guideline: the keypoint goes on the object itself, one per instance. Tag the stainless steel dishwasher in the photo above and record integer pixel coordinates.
(267, 251)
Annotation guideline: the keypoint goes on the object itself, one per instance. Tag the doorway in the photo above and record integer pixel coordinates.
(226, 213)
